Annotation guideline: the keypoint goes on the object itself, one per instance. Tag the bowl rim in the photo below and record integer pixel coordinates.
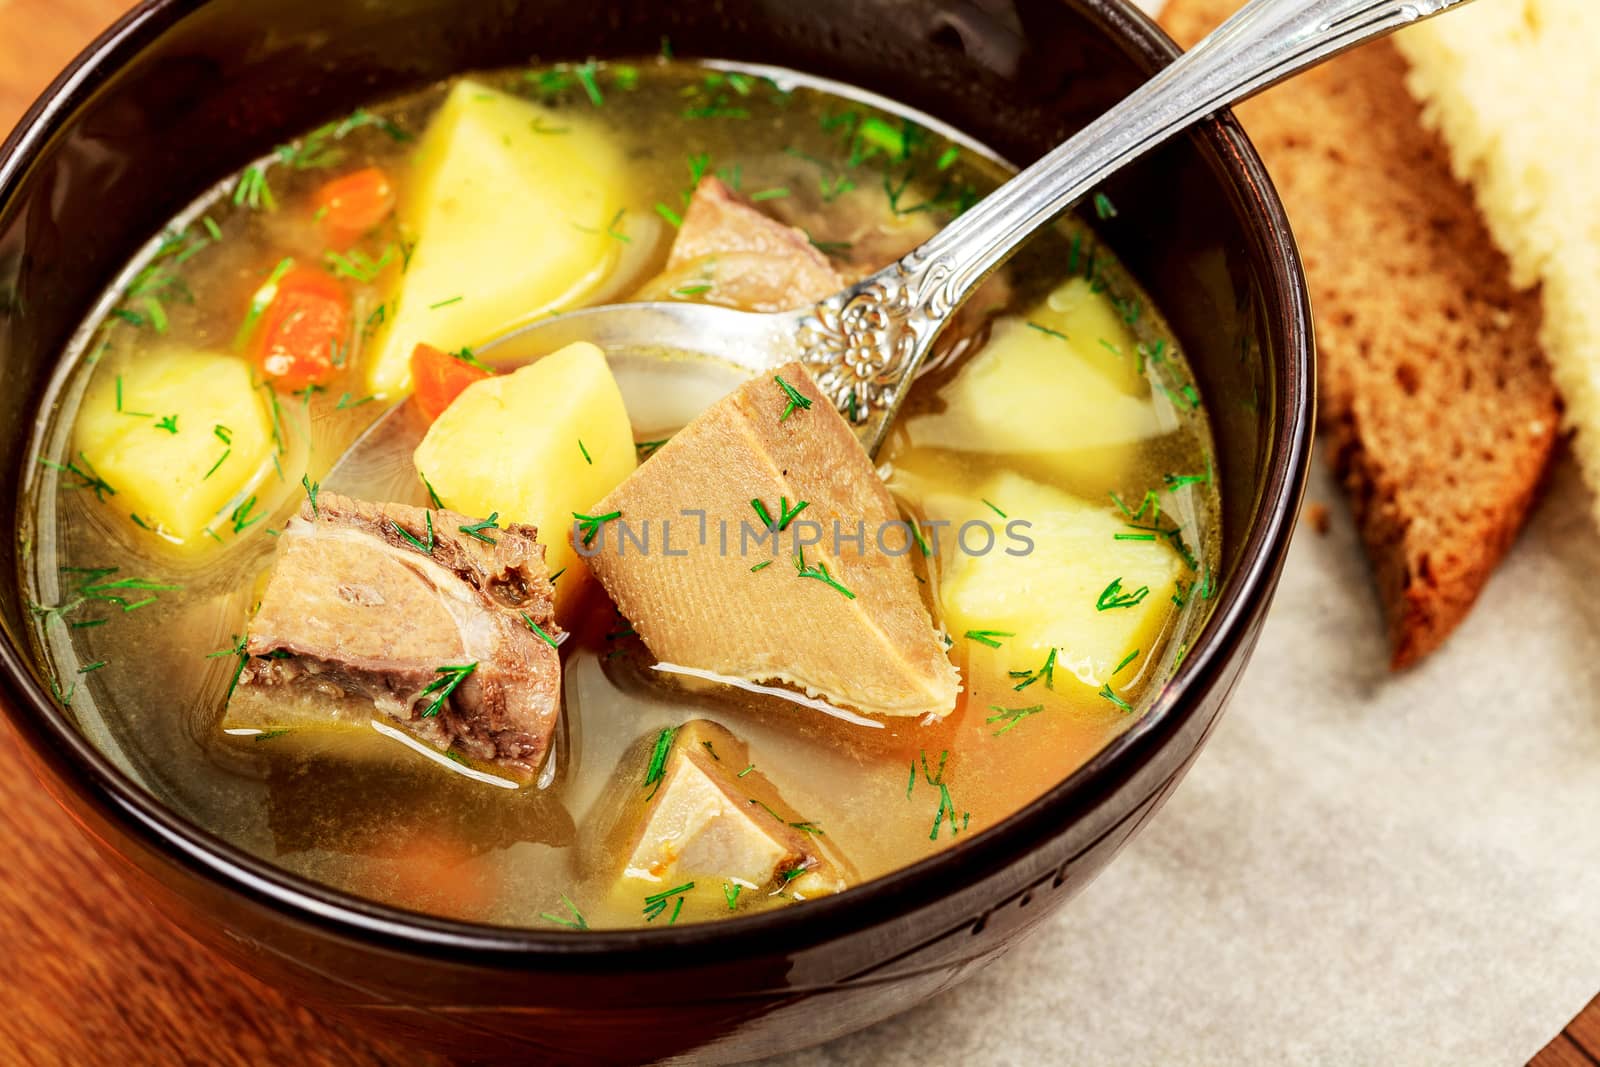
(47, 731)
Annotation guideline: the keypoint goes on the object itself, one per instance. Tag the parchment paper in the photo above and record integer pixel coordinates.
(1361, 868)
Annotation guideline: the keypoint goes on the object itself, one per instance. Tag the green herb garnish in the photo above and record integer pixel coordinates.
(576, 922)
(1010, 716)
(433, 496)
(1105, 691)
(656, 903)
(657, 768)
(988, 637)
(425, 547)
(476, 529)
(312, 489)
(1047, 330)
(797, 399)
(819, 572)
(252, 190)
(590, 525)
(1047, 672)
(449, 679)
(1112, 596)
(539, 630)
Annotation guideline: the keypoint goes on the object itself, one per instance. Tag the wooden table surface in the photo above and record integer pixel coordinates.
(93, 975)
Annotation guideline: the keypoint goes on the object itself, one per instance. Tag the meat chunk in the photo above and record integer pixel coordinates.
(829, 603)
(728, 252)
(701, 821)
(423, 618)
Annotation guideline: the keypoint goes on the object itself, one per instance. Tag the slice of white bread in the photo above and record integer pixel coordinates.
(1513, 87)
(1437, 409)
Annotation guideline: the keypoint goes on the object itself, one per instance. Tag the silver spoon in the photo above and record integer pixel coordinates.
(865, 344)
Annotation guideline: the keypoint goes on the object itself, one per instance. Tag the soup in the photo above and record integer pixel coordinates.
(601, 642)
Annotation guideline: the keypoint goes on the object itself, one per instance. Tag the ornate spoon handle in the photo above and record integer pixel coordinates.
(865, 344)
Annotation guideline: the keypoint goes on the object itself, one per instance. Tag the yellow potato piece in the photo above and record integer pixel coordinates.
(1050, 597)
(177, 484)
(510, 444)
(510, 220)
(1046, 390)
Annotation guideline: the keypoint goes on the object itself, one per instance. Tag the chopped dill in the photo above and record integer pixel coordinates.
(591, 86)
(84, 471)
(539, 630)
(656, 903)
(589, 525)
(312, 489)
(1047, 330)
(446, 303)
(576, 920)
(1105, 691)
(357, 265)
(797, 399)
(657, 768)
(667, 213)
(450, 678)
(1129, 658)
(585, 452)
(433, 496)
(1010, 716)
(1112, 596)
(252, 190)
(996, 510)
(730, 893)
(819, 572)
(477, 529)
(988, 637)
(226, 452)
(1103, 207)
(168, 423)
(425, 547)
(763, 565)
(1047, 672)
(746, 771)
(646, 449)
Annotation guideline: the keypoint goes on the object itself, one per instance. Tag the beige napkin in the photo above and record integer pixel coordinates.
(1361, 868)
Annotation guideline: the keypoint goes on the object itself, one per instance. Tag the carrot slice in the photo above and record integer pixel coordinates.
(437, 378)
(354, 205)
(301, 333)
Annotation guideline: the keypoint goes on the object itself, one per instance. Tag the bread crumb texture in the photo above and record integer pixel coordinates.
(1514, 88)
(1437, 406)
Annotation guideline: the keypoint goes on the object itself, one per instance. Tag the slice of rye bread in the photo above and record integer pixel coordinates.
(1436, 398)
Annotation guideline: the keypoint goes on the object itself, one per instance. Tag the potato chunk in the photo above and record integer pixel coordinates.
(1060, 594)
(1060, 389)
(510, 220)
(180, 435)
(535, 446)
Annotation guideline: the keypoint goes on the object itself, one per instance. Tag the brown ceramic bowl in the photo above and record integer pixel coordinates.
(182, 92)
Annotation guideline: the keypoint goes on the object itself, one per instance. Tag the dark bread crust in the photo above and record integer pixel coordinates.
(1438, 409)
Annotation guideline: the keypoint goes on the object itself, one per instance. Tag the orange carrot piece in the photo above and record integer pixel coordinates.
(353, 205)
(437, 378)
